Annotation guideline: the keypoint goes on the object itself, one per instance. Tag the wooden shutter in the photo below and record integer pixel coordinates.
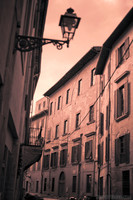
(127, 148)
(61, 156)
(78, 153)
(65, 157)
(72, 156)
(88, 150)
(107, 149)
(115, 104)
(117, 152)
(52, 159)
(127, 49)
(107, 117)
(56, 159)
(99, 154)
(116, 58)
(101, 123)
(126, 102)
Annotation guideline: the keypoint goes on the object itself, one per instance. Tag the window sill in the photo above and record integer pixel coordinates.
(91, 122)
(56, 138)
(122, 117)
(48, 141)
(77, 128)
(75, 163)
(64, 134)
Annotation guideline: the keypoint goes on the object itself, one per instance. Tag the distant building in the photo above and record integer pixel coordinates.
(19, 73)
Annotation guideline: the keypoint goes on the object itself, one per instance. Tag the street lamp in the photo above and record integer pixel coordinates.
(69, 23)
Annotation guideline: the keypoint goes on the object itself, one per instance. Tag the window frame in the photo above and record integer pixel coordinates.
(59, 103)
(79, 86)
(89, 150)
(67, 96)
(78, 119)
(63, 157)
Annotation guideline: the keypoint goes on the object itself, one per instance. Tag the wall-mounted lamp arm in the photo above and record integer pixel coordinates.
(29, 43)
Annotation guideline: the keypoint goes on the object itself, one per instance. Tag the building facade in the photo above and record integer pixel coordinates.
(115, 137)
(19, 73)
(69, 153)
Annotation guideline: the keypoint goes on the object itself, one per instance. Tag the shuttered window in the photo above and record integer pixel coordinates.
(101, 124)
(121, 102)
(76, 154)
(122, 149)
(88, 183)
(122, 53)
(100, 154)
(63, 157)
(107, 148)
(54, 160)
(46, 162)
(89, 150)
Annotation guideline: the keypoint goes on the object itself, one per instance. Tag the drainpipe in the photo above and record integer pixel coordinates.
(48, 99)
(79, 167)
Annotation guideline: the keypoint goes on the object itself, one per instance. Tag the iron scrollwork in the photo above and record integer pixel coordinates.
(29, 43)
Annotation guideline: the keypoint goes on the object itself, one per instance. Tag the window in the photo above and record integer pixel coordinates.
(39, 106)
(77, 120)
(122, 147)
(101, 186)
(100, 154)
(67, 96)
(37, 186)
(122, 53)
(49, 135)
(65, 127)
(63, 157)
(92, 77)
(76, 154)
(54, 159)
(88, 183)
(53, 184)
(34, 167)
(56, 131)
(43, 104)
(51, 107)
(126, 183)
(121, 102)
(101, 124)
(107, 116)
(79, 86)
(46, 162)
(89, 151)
(91, 114)
(45, 184)
(59, 103)
(74, 181)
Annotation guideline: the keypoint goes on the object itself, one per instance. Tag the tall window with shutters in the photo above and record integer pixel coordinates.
(89, 150)
(63, 157)
(122, 53)
(122, 149)
(46, 162)
(100, 153)
(121, 102)
(101, 124)
(54, 160)
(76, 154)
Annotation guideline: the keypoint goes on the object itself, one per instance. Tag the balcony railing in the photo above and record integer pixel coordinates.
(35, 136)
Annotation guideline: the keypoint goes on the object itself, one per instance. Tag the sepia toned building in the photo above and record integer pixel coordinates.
(19, 73)
(115, 137)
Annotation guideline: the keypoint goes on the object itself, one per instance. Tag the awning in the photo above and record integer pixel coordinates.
(30, 155)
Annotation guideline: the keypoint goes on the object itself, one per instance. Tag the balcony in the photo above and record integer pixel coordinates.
(31, 153)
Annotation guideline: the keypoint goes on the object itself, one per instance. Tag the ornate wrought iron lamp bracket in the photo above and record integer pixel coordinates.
(29, 43)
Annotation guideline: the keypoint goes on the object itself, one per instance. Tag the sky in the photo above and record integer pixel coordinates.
(99, 18)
